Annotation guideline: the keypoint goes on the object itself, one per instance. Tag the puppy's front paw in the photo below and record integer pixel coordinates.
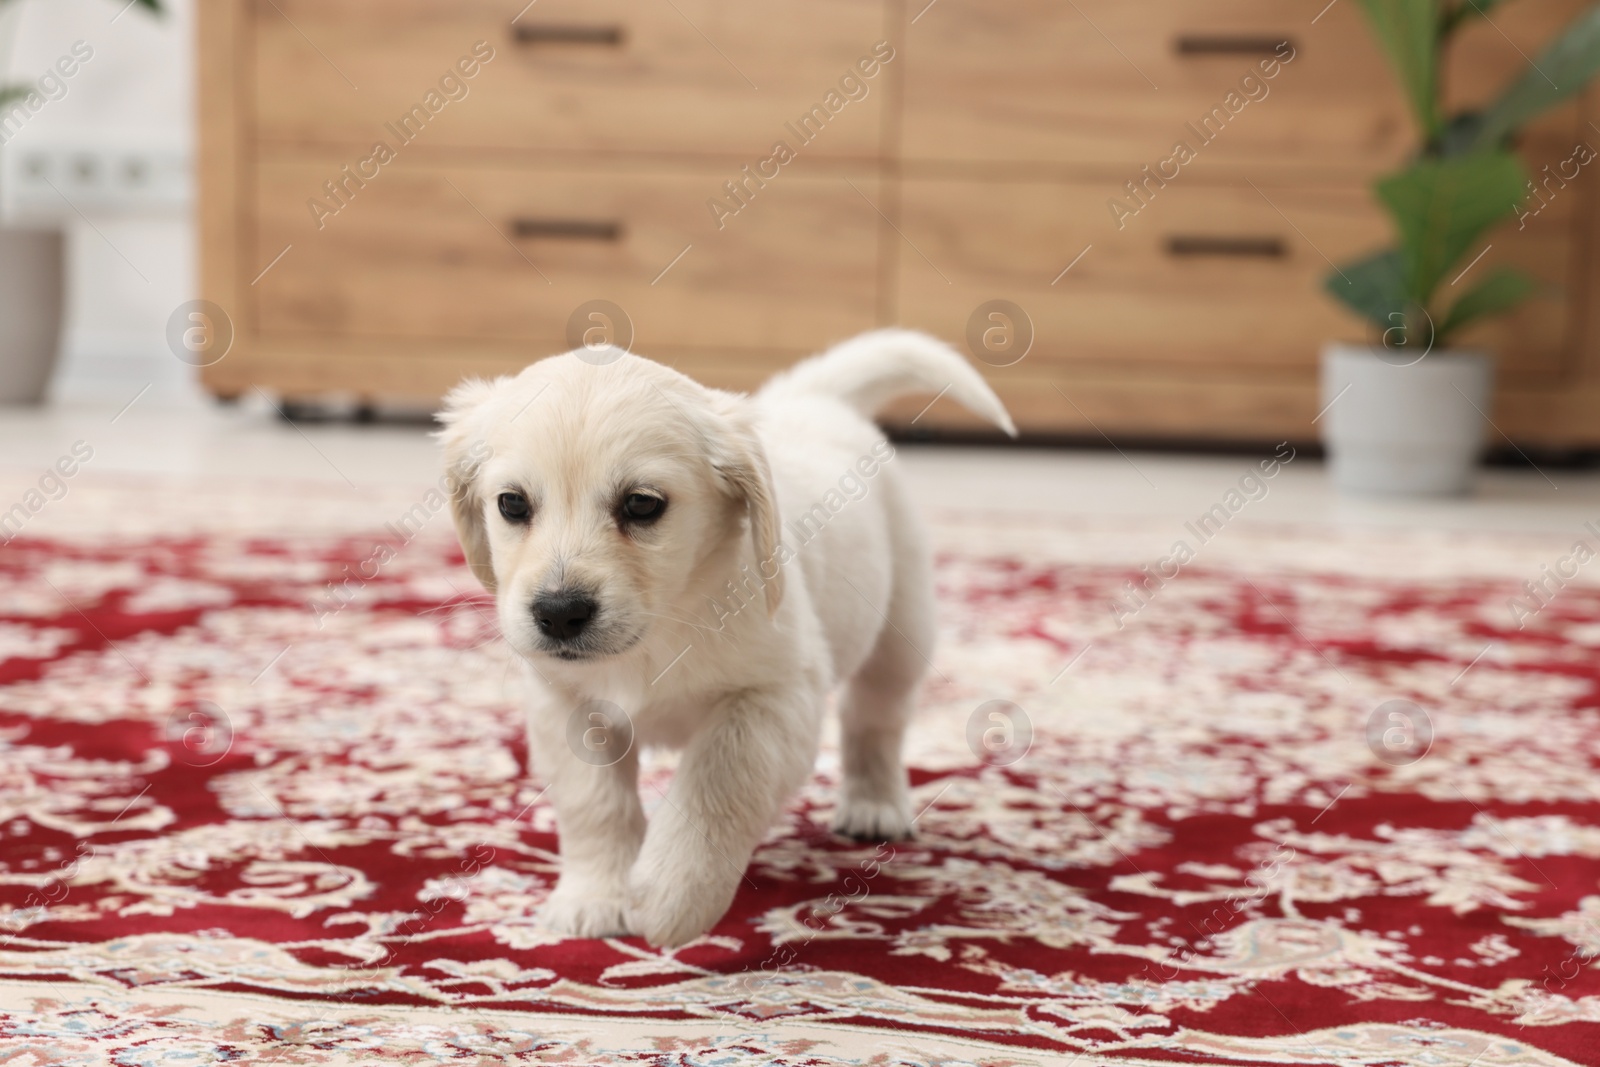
(672, 903)
(586, 909)
(873, 820)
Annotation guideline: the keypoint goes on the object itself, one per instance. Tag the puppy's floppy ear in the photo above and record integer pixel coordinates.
(465, 450)
(742, 463)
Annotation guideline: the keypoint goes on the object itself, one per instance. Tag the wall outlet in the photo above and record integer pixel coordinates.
(55, 180)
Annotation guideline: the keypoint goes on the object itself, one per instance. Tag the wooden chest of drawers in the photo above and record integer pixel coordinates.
(398, 194)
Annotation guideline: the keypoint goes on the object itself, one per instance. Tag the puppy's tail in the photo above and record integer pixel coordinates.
(868, 371)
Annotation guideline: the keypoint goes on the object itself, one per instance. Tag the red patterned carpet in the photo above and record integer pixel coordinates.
(231, 834)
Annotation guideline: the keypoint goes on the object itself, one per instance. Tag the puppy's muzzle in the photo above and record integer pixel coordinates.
(563, 615)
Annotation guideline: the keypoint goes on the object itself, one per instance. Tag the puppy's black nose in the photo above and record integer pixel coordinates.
(562, 616)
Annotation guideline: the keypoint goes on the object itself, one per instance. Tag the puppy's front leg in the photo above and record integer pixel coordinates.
(734, 776)
(601, 825)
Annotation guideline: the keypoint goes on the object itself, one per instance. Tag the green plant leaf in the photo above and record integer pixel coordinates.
(1409, 31)
(1502, 290)
(1374, 287)
(9, 93)
(1441, 208)
(1460, 134)
(1451, 20)
(1561, 70)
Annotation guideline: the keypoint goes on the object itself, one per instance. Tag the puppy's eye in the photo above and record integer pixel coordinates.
(514, 507)
(642, 507)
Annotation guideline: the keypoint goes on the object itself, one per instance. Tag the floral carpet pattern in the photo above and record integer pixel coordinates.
(1320, 801)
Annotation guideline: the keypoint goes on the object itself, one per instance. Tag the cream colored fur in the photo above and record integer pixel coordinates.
(788, 564)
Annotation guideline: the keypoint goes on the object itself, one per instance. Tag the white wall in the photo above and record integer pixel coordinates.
(135, 94)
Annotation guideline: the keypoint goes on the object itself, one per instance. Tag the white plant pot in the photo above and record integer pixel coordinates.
(31, 295)
(1393, 426)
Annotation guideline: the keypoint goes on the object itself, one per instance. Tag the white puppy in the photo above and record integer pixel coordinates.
(681, 566)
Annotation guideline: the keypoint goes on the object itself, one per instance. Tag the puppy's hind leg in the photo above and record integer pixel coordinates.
(876, 707)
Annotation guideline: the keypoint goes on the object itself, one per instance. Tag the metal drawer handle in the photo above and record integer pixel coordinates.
(1263, 247)
(569, 33)
(568, 229)
(1218, 44)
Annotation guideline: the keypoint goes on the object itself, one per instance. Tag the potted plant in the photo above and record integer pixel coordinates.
(1407, 414)
(32, 259)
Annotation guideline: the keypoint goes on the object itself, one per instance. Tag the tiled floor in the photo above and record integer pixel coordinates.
(250, 442)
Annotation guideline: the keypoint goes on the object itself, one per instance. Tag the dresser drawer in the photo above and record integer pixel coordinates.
(1205, 277)
(692, 76)
(1120, 83)
(508, 254)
